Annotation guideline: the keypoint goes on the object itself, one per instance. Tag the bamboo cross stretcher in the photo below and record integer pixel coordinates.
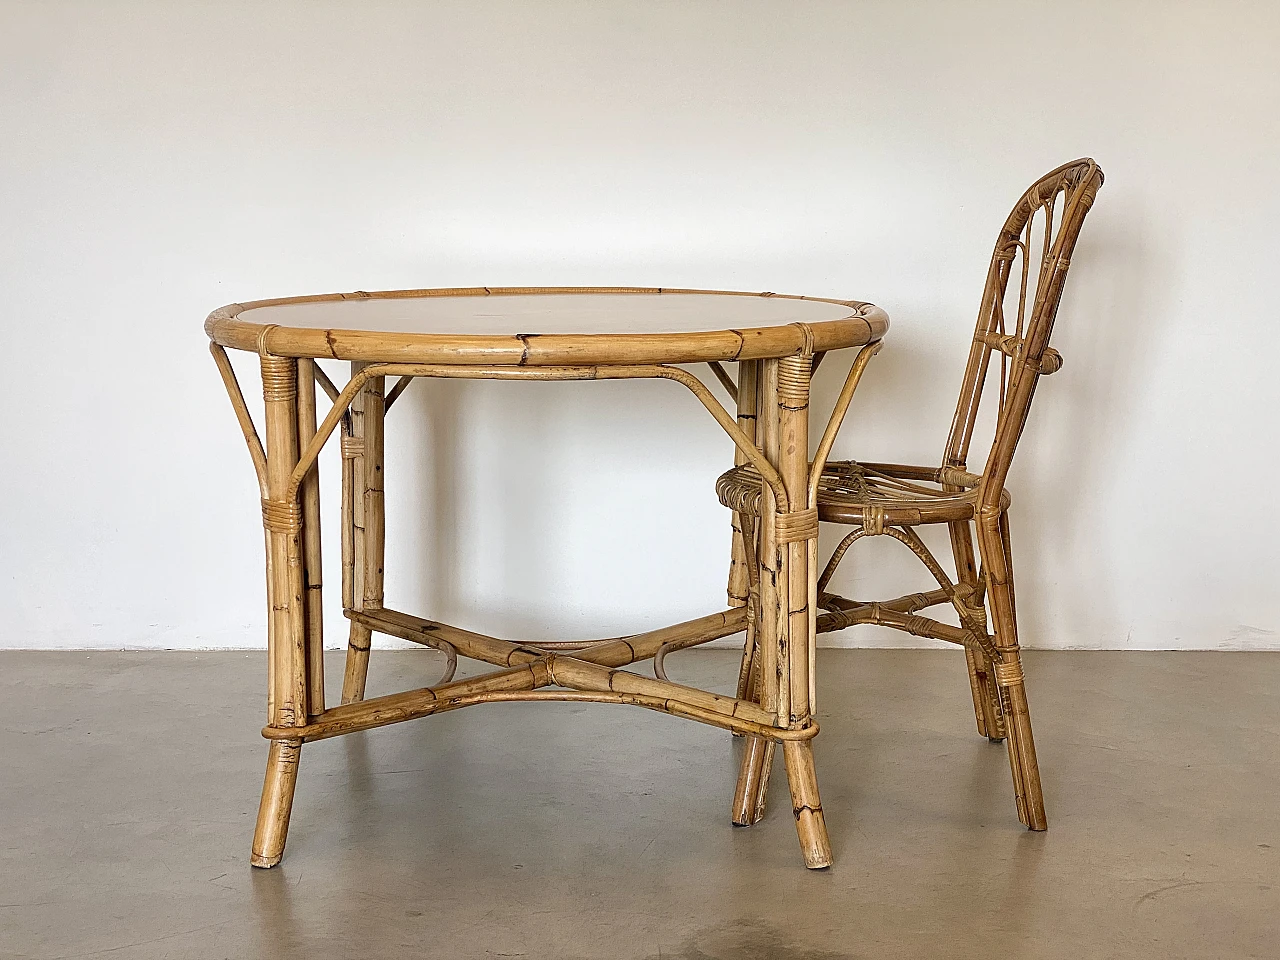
(772, 589)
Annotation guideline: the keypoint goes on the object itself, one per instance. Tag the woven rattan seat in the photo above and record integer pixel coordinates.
(906, 495)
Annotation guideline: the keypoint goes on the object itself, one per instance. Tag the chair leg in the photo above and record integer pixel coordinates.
(986, 698)
(997, 559)
(277, 802)
(752, 789)
(811, 825)
(357, 668)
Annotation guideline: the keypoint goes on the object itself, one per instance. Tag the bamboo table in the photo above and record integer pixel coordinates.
(539, 334)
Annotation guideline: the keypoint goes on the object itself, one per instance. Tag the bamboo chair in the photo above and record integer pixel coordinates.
(891, 500)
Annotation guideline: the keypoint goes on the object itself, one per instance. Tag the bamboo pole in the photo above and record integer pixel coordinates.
(748, 375)
(642, 646)
(477, 646)
(286, 635)
(359, 639)
(349, 446)
(311, 567)
(742, 565)
(412, 704)
(243, 417)
(580, 675)
(333, 725)
(751, 792)
(795, 679)
(982, 687)
(366, 504)
(997, 559)
(505, 653)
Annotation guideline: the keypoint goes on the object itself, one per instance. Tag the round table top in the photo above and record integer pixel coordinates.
(545, 326)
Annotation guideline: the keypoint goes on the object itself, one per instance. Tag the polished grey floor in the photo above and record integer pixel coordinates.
(129, 783)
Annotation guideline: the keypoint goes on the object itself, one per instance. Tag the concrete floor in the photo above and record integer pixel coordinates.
(130, 783)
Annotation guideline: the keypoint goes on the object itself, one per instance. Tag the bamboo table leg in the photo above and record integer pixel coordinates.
(312, 580)
(793, 532)
(364, 526)
(743, 556)
(783, 648)
(751, 792)
(287, 698)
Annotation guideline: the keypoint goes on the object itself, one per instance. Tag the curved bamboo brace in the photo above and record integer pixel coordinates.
(837, 417)
(727, 423)
(636, 372)
(819, 463)
(726, 381)
(326, 384)
(671, 646)
(400, 387)
(243, 416)
(837, 555)
(659, 670)
(451, 664)
(910, 539)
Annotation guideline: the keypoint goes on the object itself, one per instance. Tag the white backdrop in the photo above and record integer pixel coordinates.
(160, 159)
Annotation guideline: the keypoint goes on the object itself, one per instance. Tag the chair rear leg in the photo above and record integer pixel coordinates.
(997, 558)
(986, 698)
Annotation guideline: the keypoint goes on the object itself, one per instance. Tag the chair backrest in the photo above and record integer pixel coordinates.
(1034, 252)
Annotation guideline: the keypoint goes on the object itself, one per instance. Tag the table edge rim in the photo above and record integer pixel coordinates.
(866, 323)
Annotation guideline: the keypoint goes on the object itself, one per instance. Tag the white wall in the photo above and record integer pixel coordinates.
(160, 159)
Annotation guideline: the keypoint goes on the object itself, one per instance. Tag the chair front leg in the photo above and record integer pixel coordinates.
(997, 560)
